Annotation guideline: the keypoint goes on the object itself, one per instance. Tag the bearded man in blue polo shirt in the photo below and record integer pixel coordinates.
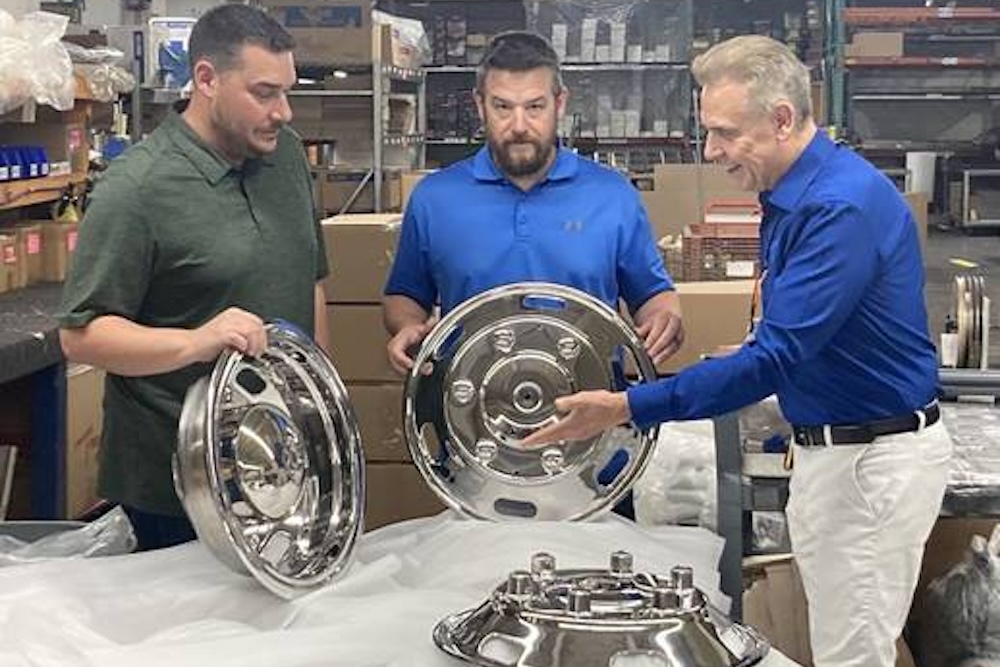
(523, 208)
(842, 341)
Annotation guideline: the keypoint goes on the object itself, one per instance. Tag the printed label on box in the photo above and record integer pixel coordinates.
(740, 269)
(34, 243)
(71, 240)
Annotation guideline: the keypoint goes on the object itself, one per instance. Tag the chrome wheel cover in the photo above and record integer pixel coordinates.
(489, 373)
(598, 618)
(269, 464)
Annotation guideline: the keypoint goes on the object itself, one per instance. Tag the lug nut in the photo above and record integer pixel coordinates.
(666, 598)
(621, 563)
(569, 348)
(503, 340)
(543, 563)
(552, 460)
(519, 583)
(578, 601)
(462, 392)
(682, 578)
(486, 451)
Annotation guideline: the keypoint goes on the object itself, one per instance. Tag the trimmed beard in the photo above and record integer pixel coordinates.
(520, 167)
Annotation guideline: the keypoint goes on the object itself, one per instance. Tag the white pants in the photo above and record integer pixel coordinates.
(858, 517)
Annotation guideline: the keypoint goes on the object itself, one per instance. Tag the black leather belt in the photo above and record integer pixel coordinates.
(862, 434)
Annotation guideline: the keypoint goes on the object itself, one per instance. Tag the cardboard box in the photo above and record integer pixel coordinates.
(409, 181)
(58, 246)
(379, 409)
(872, 44)
(341, 32)
(716, 314)
(10, 269)
(918, 202)
(358, 343)
(335, 189)
(359, 250)
(680, 193)
(775, 604)
(84, 422)
(29, 252)
(396, 492)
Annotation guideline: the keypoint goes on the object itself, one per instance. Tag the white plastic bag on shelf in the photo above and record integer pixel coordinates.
(679, 484)
(34, 64)
(965, 607)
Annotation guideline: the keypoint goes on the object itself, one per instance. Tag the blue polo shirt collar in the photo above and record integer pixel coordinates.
(790, 188)
(484, 169)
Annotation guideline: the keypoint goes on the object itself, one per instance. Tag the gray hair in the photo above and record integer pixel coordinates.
(770, 70)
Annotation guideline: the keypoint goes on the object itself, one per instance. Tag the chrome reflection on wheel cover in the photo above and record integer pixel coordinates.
(489, 374)
(269, 464)
(598, 618)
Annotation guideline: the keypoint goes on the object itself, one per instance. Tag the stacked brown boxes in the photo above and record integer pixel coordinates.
(360, 249)
(681, 192)
(29, 253)
(716, 316)
(58, 246)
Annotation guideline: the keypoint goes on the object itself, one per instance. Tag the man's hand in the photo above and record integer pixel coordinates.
(658, 322)
(409, 336)
(232, 328)
(587, 414)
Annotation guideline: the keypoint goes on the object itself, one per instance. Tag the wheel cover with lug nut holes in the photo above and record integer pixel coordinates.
(598, 618)
(488, 375)
(269, 465)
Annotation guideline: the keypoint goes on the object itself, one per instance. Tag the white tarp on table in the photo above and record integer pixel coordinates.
(181, 606)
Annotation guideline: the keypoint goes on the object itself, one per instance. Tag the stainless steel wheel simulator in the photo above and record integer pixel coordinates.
(612, 617)
(269, 464)
(488, 375)
(970, 289)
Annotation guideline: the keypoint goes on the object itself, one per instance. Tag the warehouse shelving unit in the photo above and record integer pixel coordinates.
(932, 83)
(394, 145)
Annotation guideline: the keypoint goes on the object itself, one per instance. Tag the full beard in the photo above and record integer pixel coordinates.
(518, 166)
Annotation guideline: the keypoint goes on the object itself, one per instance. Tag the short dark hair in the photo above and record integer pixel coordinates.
(518, 51)
(222, 31)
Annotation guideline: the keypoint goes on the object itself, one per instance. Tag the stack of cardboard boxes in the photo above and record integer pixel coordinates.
(360, 249)
(34, 252)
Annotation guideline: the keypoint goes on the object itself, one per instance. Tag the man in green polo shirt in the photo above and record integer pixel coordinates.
(193, 239)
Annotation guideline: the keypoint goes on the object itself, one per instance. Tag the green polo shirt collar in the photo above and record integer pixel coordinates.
(205, 159)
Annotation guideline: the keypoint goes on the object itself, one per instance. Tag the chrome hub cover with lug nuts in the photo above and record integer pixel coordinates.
(488, 375)
(614, 617)
(269, 465)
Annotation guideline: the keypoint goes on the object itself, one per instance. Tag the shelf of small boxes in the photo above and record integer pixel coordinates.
(63, 136)
(35, 252)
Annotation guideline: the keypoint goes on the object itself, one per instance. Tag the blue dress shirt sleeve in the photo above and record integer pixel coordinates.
(812, 286)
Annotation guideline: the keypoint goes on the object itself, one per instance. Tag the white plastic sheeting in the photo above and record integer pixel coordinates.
(182, 607)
